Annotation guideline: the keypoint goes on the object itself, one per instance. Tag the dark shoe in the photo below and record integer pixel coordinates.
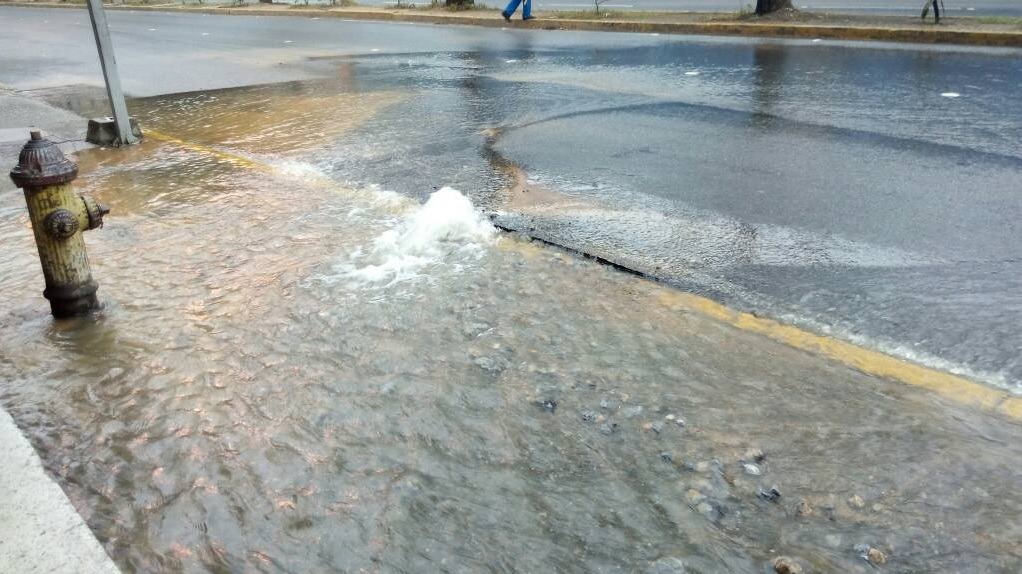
(507, 17)
(524, 18)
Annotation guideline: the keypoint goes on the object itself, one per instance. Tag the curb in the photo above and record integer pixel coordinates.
(767, 30)
(40, 530)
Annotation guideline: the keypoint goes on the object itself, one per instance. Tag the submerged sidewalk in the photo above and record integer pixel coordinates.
(1002, 32)
(40, 531)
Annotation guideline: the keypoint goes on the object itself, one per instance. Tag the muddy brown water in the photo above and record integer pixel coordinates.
(251, 399)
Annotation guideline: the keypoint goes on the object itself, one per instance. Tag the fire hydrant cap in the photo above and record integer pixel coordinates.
(41, 163)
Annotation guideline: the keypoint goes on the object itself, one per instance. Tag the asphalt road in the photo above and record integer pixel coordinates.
(867, 190)
(898, 7)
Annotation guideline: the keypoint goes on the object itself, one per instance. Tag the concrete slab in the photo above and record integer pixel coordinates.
(17, 112)
(40, 531)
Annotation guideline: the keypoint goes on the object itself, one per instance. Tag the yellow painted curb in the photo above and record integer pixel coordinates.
(875, 363)
(870, 362)
(200, 148)
(747, 29)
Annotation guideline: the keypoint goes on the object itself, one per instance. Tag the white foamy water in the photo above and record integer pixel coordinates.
(904, 351)
(300, 170)
(312, 174)
(447, 229)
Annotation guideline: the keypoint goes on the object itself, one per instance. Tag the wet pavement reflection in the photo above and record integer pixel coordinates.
(251, 399)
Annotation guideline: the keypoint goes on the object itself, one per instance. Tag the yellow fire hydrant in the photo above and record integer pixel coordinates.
(59, 217)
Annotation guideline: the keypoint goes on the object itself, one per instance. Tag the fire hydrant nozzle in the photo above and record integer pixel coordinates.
(59, 217)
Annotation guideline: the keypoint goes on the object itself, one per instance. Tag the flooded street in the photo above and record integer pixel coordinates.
(861, 190)
(292, 375)
(318, 353)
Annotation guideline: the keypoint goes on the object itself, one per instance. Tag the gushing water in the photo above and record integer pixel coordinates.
(446, 230)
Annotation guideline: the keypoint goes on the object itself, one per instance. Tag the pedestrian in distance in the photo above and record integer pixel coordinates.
(513, 5)
(936, 10)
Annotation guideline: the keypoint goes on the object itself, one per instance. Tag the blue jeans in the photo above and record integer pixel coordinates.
(513, 5)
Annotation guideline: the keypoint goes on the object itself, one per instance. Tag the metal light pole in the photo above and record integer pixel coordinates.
(122, 122)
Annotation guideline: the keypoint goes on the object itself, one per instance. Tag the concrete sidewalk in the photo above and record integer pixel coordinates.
(963, 31)
(40, 531)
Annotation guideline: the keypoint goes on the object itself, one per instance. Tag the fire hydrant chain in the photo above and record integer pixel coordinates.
(59, 217)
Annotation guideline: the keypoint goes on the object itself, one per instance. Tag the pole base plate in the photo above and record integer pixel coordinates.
(103, 131)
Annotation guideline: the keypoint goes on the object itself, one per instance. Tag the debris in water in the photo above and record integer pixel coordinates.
(856, 502)
(785, 565)
(752, 469)
(587, 416)
(950, 94)
(772, 495)
(655, 427)
(755, 455)
(872, 555)
(675, 419)
(666, 457)
(876, 556)
(608, 428)
(549, 405)
(803, 508)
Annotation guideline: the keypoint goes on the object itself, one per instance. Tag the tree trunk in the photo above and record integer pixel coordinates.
(768, 6)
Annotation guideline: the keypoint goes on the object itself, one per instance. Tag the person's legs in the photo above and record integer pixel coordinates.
(511, 7)
(527, 10)
(936, 12)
